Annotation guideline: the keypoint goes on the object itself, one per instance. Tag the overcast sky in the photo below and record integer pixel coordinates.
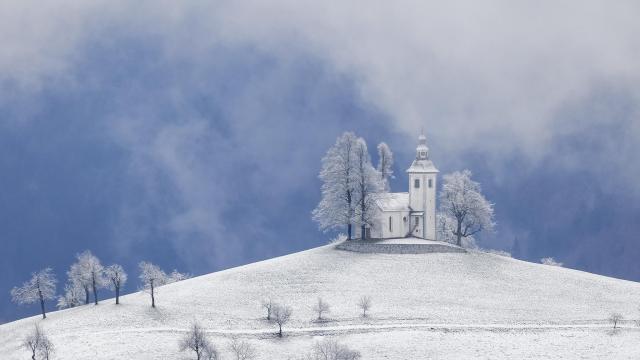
(190, 133)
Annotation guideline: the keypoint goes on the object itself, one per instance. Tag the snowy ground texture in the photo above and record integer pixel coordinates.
(425, 306)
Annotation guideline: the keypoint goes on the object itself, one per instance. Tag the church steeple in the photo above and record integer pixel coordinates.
(422, 151)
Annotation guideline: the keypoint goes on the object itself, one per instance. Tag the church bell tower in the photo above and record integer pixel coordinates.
(422, 193)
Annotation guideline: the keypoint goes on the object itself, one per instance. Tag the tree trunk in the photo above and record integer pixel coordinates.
(117, 295)
(33, 355)
(459, 233)
(280, 332)
(349, 205)
(153, 300)
(86, 294)
(363, 209)
(95, 291)
(44, 315)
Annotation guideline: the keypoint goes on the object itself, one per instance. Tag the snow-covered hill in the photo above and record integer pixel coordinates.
(425, 306)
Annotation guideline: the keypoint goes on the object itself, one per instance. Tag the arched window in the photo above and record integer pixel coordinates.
(416, 183)
(430, 183)
(390, 224)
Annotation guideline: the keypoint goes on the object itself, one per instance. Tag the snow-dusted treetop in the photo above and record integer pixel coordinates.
(42, 285)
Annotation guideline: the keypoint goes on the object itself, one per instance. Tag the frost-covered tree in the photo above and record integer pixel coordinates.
(385, 165)
(77, 276)
(267, 305)
(550, 261)
(176, 276)
(46, 348)
(367, 184)
(152, 277)
(337, 205)
(615, 318)
(41, 287)
(196, 340)
(72, 297)
(281, 314)
(364, 304)
(445, 227)
(321, 307)
(117, 277)
(462, 200)
(88, 272)
(38, 343)
(330, 349)
(241, 349)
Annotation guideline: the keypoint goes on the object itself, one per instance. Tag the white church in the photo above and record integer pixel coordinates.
(413, 213)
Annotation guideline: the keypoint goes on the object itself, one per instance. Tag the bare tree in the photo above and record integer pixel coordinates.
(210, 353)
(462, 199)
(151, 276)
(321, 307)
(89, 273)
(337, 205)
(614, 318)
(281, 315)
(267, 304)
(330, 349)
(364, 304)
(242, 350)
(196, 340)
(41, 287)
(46, 348)
(72, 297)
(38, 343)
(117, 277)
(385, 165)
(367, 184)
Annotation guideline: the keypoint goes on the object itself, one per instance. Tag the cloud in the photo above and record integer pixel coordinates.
(475, 71)
(499, 80)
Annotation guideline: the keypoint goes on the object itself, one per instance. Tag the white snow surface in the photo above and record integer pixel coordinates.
(425, 306)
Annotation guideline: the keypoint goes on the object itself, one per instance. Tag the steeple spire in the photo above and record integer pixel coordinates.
(422, 151)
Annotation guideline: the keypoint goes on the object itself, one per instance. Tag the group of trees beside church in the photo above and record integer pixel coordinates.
(85, 278)
(350, 182)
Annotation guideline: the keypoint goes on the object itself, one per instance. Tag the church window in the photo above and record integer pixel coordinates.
(390, 224)
(430, 183)
(416, 183)
(417, 220)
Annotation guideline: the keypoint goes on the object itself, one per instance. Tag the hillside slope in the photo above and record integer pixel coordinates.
(472, 305)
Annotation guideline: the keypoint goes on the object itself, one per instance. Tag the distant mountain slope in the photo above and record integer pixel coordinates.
(471, 305)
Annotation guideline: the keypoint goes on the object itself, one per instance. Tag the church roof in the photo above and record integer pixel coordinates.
(393, 201)
(422, 166)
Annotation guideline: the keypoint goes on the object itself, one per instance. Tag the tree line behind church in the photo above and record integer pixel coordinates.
(350, 183)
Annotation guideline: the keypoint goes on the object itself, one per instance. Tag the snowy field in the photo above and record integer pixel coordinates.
(425, 306)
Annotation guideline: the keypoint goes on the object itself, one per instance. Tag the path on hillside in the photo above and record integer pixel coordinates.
(368, 328)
